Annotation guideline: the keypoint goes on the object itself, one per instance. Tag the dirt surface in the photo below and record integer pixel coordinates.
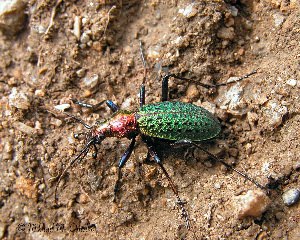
(208, 41)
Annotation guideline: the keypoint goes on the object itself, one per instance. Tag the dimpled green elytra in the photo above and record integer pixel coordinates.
(177, 121)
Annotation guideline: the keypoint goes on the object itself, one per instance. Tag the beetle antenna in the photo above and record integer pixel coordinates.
(78, 120)
(80, 156)
(144, 61)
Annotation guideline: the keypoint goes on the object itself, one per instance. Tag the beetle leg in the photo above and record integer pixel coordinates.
(148, 160)
(244, 175)
(95, 152)
(122, 162)
(109, 103)
(142, 95)
(179, 201)
(114, 107)
(165, 85)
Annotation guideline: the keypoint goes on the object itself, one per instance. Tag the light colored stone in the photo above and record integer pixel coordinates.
(18, 99)
(253, 203)
(12, 16)
(291, 196)
(24, 128)
(189, 11)
(291, 82)
(62, 107)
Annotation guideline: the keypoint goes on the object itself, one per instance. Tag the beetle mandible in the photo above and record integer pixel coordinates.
(178, 122)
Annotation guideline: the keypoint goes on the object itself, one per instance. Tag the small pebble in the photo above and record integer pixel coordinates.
(42, 187)
(234, 11)
(7, 151)
(278, 19)
(56, 122)
(274, 112)
(241, 51)
(84, 21)
(178, 41)
(229, 22)
(18, 99)
(248, 148)
(291, 196)
(226, 33)
(189, 11)
(24, 128)
(87, 93)
(113, 208)
(77, 27)
(248, 25)
(38, 127)
(81, 72)
(253, 203)
(90, 82)
(233, 101)
(127, 103)
(62, 107)
(85, 38)
(292, 82)
(192, 92)
(26, 186)
(154, 52)
(83, 198)
(39, 93)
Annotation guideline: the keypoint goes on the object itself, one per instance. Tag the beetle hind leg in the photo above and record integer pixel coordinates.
(179, 202)
(244, 175)
(165, 83)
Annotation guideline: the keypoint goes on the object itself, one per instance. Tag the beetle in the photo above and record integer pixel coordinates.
(177, 122)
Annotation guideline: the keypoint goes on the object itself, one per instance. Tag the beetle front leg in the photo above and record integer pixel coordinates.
(122, 163)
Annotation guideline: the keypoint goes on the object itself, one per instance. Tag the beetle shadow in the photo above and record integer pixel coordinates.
(189, 154)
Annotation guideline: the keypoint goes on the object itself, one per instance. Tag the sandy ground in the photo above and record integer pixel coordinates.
(91, 52)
